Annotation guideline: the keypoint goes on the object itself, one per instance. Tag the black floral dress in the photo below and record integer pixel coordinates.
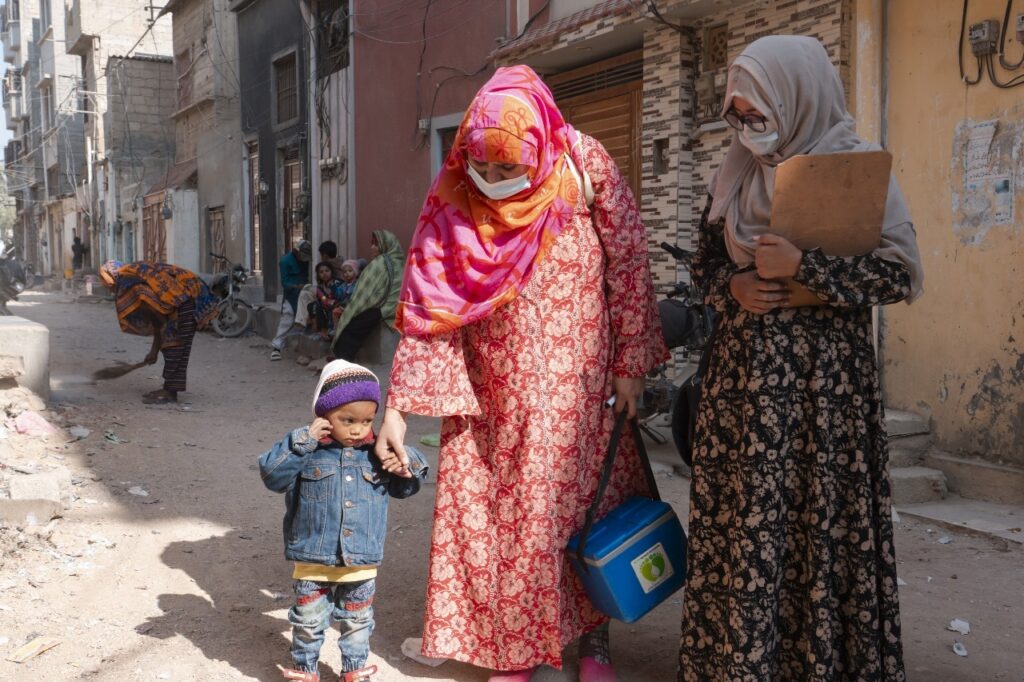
(792, 572)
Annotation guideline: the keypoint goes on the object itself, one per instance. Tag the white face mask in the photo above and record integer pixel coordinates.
(761, 144)
(502, 189)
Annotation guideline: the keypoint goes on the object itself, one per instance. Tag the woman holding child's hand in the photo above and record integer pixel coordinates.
(527, 301)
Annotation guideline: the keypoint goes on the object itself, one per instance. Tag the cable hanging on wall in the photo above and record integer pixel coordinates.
(987, 40)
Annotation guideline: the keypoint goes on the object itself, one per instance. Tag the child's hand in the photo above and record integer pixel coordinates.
(320, 429)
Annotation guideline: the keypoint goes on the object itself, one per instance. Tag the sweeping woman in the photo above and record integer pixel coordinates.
(166, 302)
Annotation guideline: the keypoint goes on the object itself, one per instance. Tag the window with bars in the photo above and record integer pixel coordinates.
(286, 89)
(183, 68)
(46, 95)
(255, 197)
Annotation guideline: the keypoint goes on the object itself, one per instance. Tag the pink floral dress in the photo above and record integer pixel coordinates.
(525, 431)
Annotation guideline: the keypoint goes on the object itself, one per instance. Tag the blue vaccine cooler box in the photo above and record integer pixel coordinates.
(634, 558)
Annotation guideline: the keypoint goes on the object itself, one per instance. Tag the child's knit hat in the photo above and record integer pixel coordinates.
(343, 382)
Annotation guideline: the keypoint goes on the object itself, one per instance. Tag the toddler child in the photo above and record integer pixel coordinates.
(336, 498)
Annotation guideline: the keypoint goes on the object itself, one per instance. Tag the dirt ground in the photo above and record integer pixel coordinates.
(189, 582)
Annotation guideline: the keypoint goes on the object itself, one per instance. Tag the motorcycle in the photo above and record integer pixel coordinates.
(234, 315)
(13, 278)
(687, 323)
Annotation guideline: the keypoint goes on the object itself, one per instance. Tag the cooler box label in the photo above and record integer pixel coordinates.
(652, 568)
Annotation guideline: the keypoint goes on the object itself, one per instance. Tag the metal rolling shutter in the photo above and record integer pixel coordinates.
(604, 100)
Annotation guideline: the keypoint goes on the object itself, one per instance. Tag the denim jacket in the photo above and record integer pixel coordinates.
(336, 498)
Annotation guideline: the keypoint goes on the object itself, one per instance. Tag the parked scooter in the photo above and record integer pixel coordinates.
(686, 323)
(234, 315)
(13, 277)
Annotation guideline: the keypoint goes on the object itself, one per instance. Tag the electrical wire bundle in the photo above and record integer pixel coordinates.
(985, 61)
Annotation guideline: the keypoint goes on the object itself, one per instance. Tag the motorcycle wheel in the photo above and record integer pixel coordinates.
(232, 319)
(681, 427)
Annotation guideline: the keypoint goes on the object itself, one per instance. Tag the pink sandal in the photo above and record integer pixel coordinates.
(512, 675)
(592, 671)
(361, 675)
(299, 675)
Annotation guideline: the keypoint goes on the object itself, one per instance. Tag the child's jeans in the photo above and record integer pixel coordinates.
(316, 604)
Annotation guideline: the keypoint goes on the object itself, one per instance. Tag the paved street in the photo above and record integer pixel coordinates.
(189, 582)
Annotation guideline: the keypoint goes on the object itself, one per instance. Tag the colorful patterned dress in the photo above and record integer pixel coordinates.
(792, 572)
(525, 431)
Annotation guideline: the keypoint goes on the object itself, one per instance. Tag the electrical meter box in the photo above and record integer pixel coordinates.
(1020, 28)
(984, 37)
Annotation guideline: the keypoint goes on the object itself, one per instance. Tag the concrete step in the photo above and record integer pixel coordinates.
(999, 520)
(903, 423)
(912, 485)
(908, 451)
(978, 479)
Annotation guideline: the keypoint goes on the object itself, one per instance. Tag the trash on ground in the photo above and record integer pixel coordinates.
(79, 432)
(33, 649)
(895, 515)
(33, 424)
(959, 649)
(412, 646)
(3, 433)
(901, 582)
(139, 491)
(433, 440)
(112, 437)
(945, 540)
(929, 578)
(101, 541)
(961, 626)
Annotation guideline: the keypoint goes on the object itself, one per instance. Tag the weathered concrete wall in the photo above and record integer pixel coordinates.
(25, 354)
(957, 354)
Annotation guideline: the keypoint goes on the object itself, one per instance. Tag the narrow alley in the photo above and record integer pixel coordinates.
(168, 564)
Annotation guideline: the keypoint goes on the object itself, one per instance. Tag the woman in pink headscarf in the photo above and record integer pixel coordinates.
(526, 302)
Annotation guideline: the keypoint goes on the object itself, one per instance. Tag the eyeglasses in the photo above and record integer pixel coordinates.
(755, 122)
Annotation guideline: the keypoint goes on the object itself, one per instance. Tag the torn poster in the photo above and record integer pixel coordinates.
(1002, 206)
(977, 164)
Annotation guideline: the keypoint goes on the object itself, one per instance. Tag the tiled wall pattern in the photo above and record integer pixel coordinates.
(672, 201)
(667, 102)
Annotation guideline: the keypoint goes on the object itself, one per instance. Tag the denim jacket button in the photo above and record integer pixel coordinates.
(347, 532)
(348, 503)
(348, 478)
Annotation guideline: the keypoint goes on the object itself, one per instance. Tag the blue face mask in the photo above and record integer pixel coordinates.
(761, 144)
(502, 189)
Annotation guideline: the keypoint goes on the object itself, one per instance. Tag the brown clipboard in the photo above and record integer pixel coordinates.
(833, 202)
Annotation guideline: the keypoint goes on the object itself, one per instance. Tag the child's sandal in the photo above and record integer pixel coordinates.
(361, 675)
(299, 675)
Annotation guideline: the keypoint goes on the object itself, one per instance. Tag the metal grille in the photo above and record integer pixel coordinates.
(716, 47)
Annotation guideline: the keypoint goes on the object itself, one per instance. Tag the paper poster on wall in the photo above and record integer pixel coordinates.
(1002, 207)
(977, 163)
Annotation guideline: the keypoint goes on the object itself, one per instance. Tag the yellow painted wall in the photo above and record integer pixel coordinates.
(958, 353)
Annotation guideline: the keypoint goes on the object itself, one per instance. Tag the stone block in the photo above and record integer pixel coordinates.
(54, 486)
(11, 366)
(29, 512)
(912, 485)
(380, 346)
(29, 341)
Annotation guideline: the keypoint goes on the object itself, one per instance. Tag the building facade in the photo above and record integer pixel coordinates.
(139, 154)
(199, 207)
(95, 30)
(273, 50)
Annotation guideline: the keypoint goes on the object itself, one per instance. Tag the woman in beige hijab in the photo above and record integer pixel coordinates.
(792, 572)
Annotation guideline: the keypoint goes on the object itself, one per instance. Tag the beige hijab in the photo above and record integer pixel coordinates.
(792, 82)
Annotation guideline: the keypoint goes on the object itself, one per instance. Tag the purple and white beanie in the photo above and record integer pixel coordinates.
(343, 382)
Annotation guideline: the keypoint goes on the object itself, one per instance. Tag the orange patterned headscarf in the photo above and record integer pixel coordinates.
(470, 254)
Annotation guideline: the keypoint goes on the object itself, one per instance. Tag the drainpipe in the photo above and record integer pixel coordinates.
(309, 17)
